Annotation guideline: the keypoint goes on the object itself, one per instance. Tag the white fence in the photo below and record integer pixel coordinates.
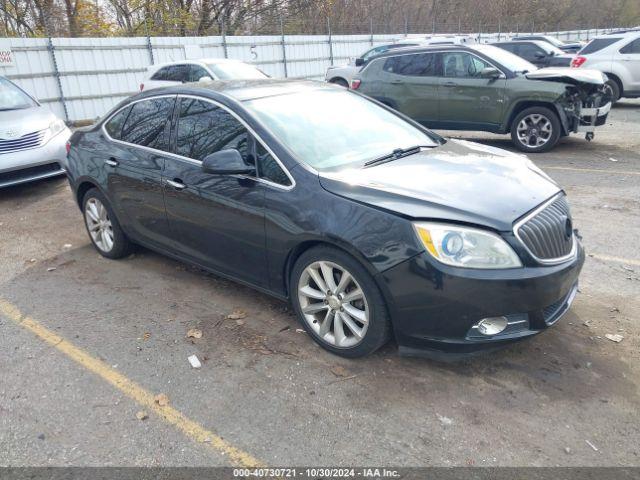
(82, 78)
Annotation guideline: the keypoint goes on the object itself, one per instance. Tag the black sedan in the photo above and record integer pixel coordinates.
(371, 225)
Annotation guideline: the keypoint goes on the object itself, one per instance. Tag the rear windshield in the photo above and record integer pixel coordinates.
(598, 44)
(235, 70)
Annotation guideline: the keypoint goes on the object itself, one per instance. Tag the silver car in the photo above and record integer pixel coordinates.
(32, 139)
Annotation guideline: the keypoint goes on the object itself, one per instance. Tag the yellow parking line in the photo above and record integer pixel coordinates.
(144, 398)
(608, 258)
(592, 170)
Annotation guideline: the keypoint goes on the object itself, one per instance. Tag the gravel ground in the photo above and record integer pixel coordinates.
(568, 397)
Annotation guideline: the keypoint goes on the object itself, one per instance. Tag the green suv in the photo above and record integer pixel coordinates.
(481, 87)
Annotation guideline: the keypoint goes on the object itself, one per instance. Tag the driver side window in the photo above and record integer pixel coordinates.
(462, 65)
(205, 128)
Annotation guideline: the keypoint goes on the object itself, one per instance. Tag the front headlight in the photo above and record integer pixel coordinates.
(466, 247)
(56, 127)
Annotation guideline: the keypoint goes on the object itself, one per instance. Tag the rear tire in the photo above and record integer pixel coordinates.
(535, 130)
(103, 227)
(346, 315)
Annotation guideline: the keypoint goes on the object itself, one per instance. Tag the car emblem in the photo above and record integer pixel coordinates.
(9, 134)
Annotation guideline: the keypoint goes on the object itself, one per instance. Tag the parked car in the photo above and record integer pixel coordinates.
(566, 47)
(482, 87)
(371, 225)
(204, 70)
(541, 54)
(342, 74)
(618, 56)
(32, 139)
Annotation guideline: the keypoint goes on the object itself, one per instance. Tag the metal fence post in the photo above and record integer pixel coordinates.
(479, 32)
(459, 26)
(371, 31)
(284, 48)
(149, 45)
(433, 26)
(224, 41)
(56, 74)
(406, 26)
(499, 30)
(330, 42)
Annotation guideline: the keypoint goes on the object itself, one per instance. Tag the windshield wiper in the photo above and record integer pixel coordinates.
(396, 154)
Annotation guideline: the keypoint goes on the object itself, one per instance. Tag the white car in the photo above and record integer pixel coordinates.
(32, 139)
(201, 70)
(618, 56)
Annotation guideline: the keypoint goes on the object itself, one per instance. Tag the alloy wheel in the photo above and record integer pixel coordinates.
(534, 130)
(333, 304)
(99, 224)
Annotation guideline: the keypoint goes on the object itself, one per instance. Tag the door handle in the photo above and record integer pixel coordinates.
(450, 84)
(397, 81)
(112, 162)
(177, 184)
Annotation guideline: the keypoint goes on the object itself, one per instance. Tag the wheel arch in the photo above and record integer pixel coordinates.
(524, 104)
(339, 78)
(84, 185)
(616, 79)
(305, 245)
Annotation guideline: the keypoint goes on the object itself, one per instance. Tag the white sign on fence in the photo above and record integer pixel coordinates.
(6, 55)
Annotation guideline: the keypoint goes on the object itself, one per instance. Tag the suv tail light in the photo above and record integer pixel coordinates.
(578, 61)
(141, 86)
(355, 84)
(68, 147)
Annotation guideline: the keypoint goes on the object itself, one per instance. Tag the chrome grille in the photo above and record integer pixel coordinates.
(548, 232)
(30, 140)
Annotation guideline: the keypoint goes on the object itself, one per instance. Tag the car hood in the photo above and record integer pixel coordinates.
(459, 181)
(573, 76)
(16, 123)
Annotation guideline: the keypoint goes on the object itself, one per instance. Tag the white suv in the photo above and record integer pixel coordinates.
(203, 70)
(617, 55)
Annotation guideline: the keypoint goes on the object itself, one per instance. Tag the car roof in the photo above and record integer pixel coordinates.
(242, 90)
(197, 60)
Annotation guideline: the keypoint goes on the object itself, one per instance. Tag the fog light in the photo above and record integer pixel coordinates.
(492, 325)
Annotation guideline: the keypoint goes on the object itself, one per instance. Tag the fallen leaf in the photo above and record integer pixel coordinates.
(146, 336)
(239, 322)
(161, 399)
(339, 371)
(615, 338)
(142, 415)
(194, 333)
(237, 314)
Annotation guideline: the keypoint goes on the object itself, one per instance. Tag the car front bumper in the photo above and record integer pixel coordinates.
(45, 161)
(435, 307)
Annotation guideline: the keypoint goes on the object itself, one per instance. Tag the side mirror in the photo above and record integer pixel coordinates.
(205, 79)
(359, 61)
(540, 55)
(226, 162)
(490, 72)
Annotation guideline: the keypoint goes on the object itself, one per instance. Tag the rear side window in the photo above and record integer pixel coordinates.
(149, 123)
(172, 73)
(204, 128)
(633, 47)
(421, 65)
(462, 65)
(114, 126)
(598, 44)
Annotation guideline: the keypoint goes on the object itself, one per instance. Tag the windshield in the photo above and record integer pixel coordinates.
(235, 71)
(12, 98)
(507, 59)
(553, 41)
(333, 129)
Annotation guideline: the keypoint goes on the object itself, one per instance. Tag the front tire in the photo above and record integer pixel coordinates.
(614, 90)
(103, 227)
(338, 303)
(535, 130)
